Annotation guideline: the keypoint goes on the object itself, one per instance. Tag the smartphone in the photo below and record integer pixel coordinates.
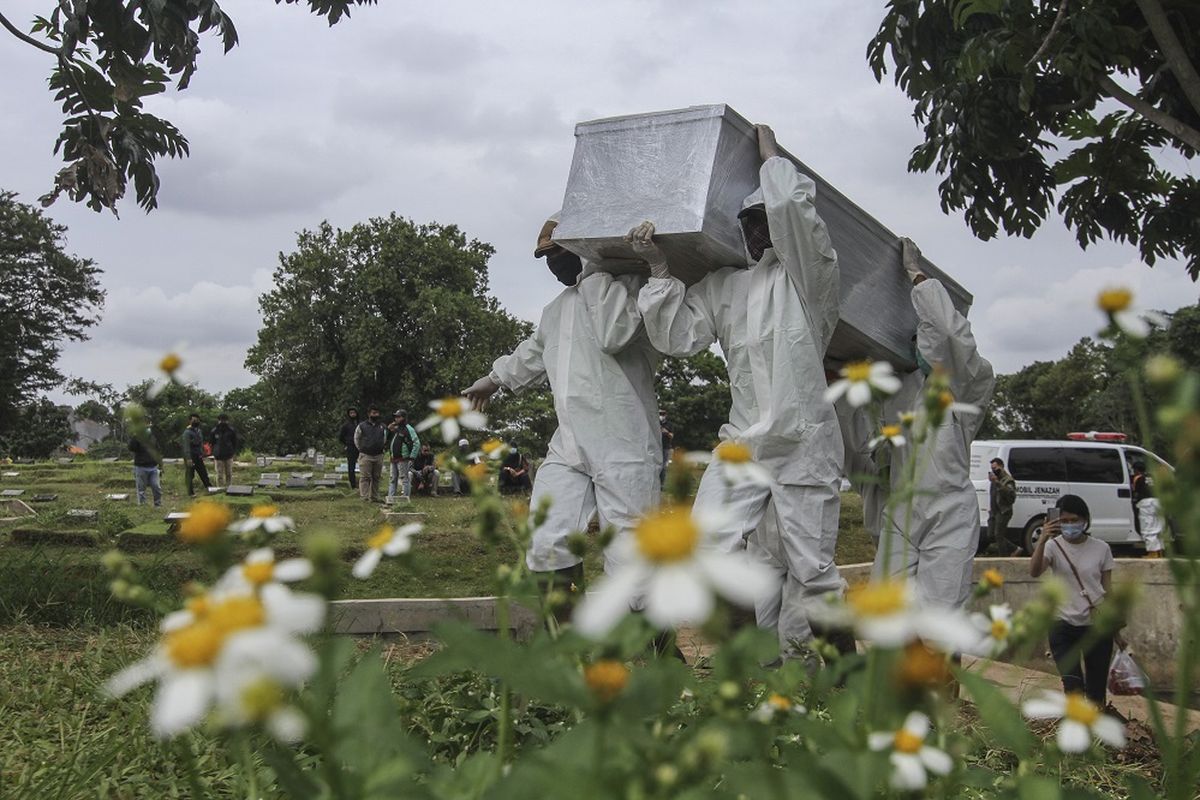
(1052, 514)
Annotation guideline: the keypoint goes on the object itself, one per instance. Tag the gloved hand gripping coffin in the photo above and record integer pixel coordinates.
(688, 171)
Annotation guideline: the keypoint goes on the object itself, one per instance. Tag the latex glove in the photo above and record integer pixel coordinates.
(910, 259)
(641, 240)
(767, 146)
(480, 391)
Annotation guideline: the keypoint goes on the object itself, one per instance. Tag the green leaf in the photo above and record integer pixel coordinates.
(998, 713)
(291, 778)
(1036, 787)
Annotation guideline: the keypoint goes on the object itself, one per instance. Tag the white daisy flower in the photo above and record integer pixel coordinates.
(453, 414)
(253, 675)
(861, 380)
(260, 568)
(185, 663)
(776, 705)
(1081, 720)
(493, 449)
(265, 516)
(995, 627)
(892, 434)
(1117, 303)
(670, 564)
(887, 614)
(911, 758)
(171, 368)
(736, 463)
(385, 542)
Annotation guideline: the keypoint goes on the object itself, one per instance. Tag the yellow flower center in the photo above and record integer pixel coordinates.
(261, 698)
(491, 446)
(258, 572)
(890, 431)
(922, 666)
(264, 510)
(476, 472)
(992, 578)
(170, 363)
(198, 605)
(733, 452)
(1116, 299)
(1000, 629)
(945, 400)
(450, 408)
(779, 702)
(1080, 709)
(198, 644)
(667, 536)
(908, 418)
(206, 521)
(859, 371)
(380, 538)
(606, 679)
(877, 599)
(907, 742)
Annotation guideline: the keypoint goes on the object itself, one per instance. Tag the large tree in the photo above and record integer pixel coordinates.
(387, 312)
(39, 430)
(106, 56)
(695, 394)
(1030, 103)
(47, 297)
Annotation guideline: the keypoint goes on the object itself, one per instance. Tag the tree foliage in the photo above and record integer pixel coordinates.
(108, 56)
(168, 413)
(695, 394)
(387, 312)
(1091, 388)
(46, 297)
(39, 430)
(1024, 106)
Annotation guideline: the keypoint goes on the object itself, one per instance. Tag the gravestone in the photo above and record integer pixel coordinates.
(319, 461)
(304, 475)
(269, 479)
(173, 519)
(342, 468)
(116, 496)
(109, 460)
(45, 498)
(83, 513)
(13, 509)
(239, 490)
(172, 461)
(296, 482)
(63, 460)
(261, 461)
(12, 474)
(11, 492)
(325, 483)
(215, 490)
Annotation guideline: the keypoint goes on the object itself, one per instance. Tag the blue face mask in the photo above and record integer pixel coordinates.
(1073, 531)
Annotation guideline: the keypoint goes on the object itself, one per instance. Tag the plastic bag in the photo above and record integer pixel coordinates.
(1124, 675)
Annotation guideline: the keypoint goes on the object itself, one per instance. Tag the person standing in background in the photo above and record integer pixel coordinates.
(193, 456)
(346, 437)
(370, 439)
(225, 445)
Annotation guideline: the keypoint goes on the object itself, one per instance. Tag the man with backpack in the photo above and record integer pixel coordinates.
(403, 447)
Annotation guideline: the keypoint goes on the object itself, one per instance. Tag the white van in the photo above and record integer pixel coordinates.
(1093, 466)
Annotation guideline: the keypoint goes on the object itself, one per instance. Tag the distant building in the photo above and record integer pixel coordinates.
(88, 432)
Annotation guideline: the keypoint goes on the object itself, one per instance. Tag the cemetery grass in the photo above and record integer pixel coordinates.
(48, 581)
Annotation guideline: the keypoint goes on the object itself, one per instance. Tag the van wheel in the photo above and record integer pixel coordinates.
(1033, 532)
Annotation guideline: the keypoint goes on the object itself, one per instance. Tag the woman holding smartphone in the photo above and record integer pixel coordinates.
(1084, 565)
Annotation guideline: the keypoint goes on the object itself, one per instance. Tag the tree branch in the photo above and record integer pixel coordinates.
(1058, 21)
(1172, 49)
(26, 38)
(1179, 130)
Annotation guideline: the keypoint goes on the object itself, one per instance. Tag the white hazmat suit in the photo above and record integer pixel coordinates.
(605, 455)
(774, 322)
(938, 552)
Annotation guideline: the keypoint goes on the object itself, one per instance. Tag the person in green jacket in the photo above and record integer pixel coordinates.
(403, 445)
(1002, 494)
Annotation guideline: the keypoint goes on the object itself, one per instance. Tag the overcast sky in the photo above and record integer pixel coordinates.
(463, 112)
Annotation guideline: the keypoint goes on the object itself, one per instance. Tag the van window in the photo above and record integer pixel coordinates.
(1037, 464)
(1094, 465)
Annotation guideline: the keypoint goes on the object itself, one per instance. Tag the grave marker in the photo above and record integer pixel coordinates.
(45, 498)
(11, 492)
(12, 474)
(84, 513)
(261, 461)
(63, 460)
(239, 490)
(117, 496)
(296, 482)
(13, 509)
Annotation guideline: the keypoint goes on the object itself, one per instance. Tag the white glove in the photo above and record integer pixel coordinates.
(479, 392)
(910, 259)
(641, 240)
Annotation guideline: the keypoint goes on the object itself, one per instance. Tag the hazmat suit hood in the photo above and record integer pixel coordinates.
(754, 200)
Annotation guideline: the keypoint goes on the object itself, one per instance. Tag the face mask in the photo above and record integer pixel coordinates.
(1073, 531)
(997, 470)
(566, 266)
(374, 418)
(757, 233)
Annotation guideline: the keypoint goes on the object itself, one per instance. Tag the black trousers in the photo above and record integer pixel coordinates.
(1082, 671)
(195, 466)
(352, 462)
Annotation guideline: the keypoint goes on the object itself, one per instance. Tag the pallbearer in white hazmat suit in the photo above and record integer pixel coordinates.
(938, 549)
(592, 349)
(774, 322)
